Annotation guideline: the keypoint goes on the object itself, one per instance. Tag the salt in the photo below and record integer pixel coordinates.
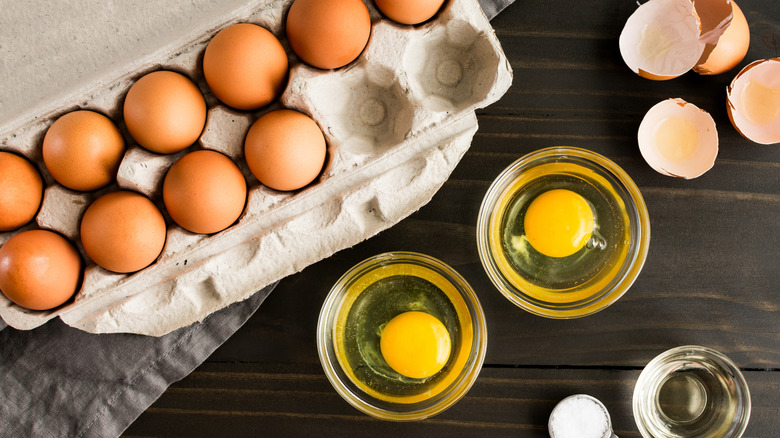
(580, 416)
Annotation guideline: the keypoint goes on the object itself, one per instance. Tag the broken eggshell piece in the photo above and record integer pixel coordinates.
(731, 48)
(663, 39)
(678, 139)
(753, 101)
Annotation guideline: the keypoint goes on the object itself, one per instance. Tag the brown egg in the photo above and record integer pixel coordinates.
(123, 231)
(409, 11)
(21, 191)
(204, 192)
(39, 269)
(245, 66)
(285, 150)
(82, 150)
(328, 33)
(165, 112)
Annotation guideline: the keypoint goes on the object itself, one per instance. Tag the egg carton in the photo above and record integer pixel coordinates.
(397, 121)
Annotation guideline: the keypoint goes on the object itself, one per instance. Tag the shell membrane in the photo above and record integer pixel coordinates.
(753, 101)
(664, 39)
(678, 139)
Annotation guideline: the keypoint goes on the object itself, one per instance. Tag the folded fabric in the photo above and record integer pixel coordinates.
(59, 381)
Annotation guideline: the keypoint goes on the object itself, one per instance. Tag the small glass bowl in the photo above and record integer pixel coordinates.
(596, 275)
(691, 391)
(370, 294)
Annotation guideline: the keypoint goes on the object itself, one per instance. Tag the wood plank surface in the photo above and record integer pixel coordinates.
(712, 276)
(273, 400)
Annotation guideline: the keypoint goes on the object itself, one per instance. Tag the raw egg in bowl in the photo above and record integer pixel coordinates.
(401, 336)
(563, 232)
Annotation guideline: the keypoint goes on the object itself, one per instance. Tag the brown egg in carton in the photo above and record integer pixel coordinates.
(397, 120)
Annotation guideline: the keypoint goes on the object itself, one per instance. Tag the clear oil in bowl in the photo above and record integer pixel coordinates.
(697, 401)
(691, 391)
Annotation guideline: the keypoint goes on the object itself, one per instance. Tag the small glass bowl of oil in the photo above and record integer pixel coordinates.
(563, 232)
(375, 368)
(691, 391)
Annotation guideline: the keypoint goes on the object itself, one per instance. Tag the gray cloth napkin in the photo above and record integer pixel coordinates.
(58, 381)
(493, 7)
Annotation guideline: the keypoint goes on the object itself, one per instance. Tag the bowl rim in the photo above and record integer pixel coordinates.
(639, 224)
(365, 402)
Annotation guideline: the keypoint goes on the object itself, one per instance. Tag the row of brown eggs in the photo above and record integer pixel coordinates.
(246, 67)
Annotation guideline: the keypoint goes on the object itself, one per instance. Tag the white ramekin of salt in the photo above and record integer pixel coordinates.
(580, 416)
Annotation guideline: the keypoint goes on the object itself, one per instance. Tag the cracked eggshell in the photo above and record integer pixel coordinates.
(663, 39)
(730, 49)
(678, 139)
(753, 101)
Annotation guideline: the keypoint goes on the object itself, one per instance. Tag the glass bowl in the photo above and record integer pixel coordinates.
(583, 282)
(691, 391)
(359, 306)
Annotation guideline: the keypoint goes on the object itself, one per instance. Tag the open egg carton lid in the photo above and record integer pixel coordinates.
(397, 121)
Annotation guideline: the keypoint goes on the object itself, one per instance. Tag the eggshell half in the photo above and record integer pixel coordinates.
(663, 39)
(753, 101)
(714, 18)
(730, 49)
(678, 139)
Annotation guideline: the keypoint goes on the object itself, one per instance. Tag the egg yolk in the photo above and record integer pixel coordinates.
(415, 344)
(559, 223)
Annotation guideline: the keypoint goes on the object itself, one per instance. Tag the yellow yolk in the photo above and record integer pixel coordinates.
(558, 223)
(415, 344)
(676, 138)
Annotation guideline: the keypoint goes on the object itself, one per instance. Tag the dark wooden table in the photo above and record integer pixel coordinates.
(712, 276)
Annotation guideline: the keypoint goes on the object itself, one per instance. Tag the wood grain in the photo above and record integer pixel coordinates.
(712, 276)
(297, 400)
